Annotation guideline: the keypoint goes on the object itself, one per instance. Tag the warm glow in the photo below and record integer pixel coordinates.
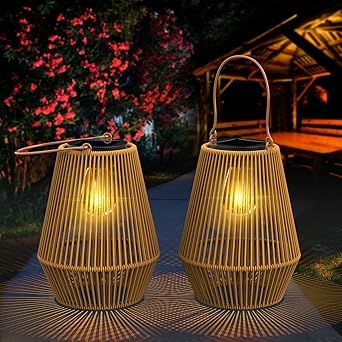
(96, 197)
(238, 195)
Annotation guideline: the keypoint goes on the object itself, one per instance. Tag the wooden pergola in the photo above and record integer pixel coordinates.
(296, 50)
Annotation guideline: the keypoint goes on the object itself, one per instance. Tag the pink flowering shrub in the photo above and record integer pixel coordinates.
(88, 75)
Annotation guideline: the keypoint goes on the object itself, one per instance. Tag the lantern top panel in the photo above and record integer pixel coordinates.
(240, 144)
(208, 149)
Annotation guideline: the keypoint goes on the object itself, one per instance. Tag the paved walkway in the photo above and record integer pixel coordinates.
(169, 311)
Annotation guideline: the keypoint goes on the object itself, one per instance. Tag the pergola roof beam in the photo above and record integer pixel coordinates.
(319, 56)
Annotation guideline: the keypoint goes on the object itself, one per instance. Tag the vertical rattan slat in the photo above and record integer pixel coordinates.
(98, 245)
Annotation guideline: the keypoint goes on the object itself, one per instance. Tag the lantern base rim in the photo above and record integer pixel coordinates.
(99, 308)
(247, 308)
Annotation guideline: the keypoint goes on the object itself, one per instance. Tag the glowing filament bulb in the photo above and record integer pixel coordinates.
(238, 193)
(96, 196)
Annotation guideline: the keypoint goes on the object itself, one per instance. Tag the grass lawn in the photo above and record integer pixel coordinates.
(326, 268)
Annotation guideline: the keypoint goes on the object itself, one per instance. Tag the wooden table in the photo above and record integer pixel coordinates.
(315, 147)
(312, 143)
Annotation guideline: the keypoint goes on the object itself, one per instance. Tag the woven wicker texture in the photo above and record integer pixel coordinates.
(239, 245)
(98, 245)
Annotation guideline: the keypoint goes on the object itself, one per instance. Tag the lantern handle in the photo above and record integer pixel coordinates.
(213, 133)
(63, 145)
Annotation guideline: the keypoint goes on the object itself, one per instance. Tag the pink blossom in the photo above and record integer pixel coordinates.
(116, 135)
(76, 22)
(72, 93)
(50, 108)
(72, 42)
(27, 28)
(23, 21)
(81, 52)
(61, 96)
(49, 73)
(54, 37)
(138, 135)
(69, 115)
(43, 100)
(116, 94)
(117, 27)
(124, 46)
(59, 132)
(48, 123)
(8, 101)
(125, 124)
(85, 40)
(51, 46)
(123, 67)
(33, 87)
(60, 17)
(56, 61)
(128, 137)
(36, 124)
(25, 42)
(11, 129)
(38, 63)
(17, 88)
(58, 119)
(164, 45)
(115, 62)
(103, 35)
(62, 69)
(26, 8)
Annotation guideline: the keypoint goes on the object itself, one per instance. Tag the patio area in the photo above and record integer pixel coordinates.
(169, 311)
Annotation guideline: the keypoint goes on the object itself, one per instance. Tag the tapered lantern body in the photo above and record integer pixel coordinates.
(239, 246)
(98, 245)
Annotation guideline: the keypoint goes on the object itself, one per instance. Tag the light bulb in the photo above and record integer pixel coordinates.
(238, 192)
(96, 196)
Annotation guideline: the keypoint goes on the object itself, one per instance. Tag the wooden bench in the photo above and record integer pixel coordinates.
(322, 126)
(240, 128)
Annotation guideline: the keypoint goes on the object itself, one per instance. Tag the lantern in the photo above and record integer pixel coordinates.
(239, 246)
(98, 245)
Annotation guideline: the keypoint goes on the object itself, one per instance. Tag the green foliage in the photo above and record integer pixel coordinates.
(22, 213)
(17, 232)
(175, 135)
(326, 268)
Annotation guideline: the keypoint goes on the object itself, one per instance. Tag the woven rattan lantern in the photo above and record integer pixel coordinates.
(239, 245)
(98, 245)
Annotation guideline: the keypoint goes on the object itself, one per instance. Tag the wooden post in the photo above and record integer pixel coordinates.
(294, 105)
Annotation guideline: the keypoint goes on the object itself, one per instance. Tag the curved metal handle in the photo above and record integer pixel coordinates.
(213, 134)
(63, 145)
